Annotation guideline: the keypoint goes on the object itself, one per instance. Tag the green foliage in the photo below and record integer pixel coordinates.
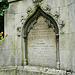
(4, 0)
(1, 37)
(3, 5)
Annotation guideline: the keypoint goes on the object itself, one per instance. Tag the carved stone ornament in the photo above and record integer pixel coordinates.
(48, 8)
(50, 25)
(56, 15)
(29, 11)
(19, 30)
(36, 1)
(40, 20)
(62, 24)
(22, 20)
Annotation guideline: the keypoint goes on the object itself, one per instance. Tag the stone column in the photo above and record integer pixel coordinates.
(25, 50)
(57, 54)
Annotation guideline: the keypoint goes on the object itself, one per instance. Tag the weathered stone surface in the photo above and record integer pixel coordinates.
(30, 70)
(69, 2)
(35, 70)
(24, 5)
(42, 45)
(18, 51)
(72, 17)
(66, 56)
(11, 9)
(60, 3)
(7, 52)
(63, 13)
(65, 39)
(8, 70)
(11, 49)
(54, 3)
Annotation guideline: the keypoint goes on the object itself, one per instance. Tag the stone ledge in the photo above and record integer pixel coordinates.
(45, 70)
(32, 70)
(8, 68)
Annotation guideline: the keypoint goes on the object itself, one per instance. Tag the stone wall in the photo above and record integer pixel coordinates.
(12, 48)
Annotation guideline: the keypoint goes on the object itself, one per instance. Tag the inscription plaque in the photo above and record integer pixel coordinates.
(41, 45)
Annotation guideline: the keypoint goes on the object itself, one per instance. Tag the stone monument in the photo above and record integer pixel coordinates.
(40, 38)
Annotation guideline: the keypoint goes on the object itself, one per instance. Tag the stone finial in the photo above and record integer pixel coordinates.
(36, 1)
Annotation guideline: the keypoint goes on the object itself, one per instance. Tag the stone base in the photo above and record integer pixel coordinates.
(30, 70)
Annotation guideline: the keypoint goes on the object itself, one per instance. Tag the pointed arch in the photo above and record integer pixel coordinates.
(28, 26)
(35, 15)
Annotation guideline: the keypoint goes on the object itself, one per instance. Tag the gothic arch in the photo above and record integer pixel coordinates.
(29, 25)
(35, 15)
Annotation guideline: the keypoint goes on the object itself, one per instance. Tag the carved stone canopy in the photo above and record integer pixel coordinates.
(33, 19)
(49, 23)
